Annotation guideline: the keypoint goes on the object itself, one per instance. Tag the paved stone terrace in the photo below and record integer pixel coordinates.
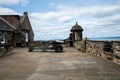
(69, 65)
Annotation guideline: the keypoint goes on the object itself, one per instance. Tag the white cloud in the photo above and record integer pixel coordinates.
(92, 18)
(7, 11)
(13, 2)
(118, 1)
(65, 13)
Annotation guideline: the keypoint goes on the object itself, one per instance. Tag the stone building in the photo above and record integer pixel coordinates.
(75, 35)
(6, 36)
(22, 30)
(6, 32)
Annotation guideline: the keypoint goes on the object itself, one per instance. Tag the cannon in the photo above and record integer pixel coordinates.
(44, 45)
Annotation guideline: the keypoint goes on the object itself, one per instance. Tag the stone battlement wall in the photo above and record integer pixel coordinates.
(6, 49)
(109, 50)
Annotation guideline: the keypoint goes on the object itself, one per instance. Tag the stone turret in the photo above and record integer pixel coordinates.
(77, 31)
(75, 35)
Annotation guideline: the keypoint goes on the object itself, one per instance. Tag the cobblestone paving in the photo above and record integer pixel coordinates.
(69, 65)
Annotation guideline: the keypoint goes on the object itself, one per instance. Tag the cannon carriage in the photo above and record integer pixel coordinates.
(45, 45)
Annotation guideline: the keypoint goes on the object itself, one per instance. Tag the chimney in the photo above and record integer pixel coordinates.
(25, 13)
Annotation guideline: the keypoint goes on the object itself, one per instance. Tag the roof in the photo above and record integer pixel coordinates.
(76, 27)
(13, 20)
(5, 26)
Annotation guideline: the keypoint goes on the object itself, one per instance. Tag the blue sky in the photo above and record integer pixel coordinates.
(53, 19)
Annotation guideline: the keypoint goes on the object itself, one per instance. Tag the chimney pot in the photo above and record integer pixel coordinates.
(25, 13)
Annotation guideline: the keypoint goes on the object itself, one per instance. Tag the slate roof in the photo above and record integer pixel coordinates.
(12, 20)
(5, 26)
(76, 27)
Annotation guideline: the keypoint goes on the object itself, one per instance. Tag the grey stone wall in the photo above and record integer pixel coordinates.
(116, 46)
(4, 50)
(104, 49)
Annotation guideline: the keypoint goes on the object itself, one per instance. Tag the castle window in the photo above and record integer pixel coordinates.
(2, 37)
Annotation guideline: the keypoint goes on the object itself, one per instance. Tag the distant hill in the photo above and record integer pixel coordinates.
(48, 40)
(117, 38)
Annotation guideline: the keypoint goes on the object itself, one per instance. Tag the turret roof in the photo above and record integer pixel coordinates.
(76, 27)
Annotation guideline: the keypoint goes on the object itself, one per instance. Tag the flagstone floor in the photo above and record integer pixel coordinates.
(68, 65)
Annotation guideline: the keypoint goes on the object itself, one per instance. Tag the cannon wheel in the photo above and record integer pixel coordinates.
(58, 49)
(30, 49)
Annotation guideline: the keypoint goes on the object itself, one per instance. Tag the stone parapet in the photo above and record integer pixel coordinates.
(4, 50)
(109, 50)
